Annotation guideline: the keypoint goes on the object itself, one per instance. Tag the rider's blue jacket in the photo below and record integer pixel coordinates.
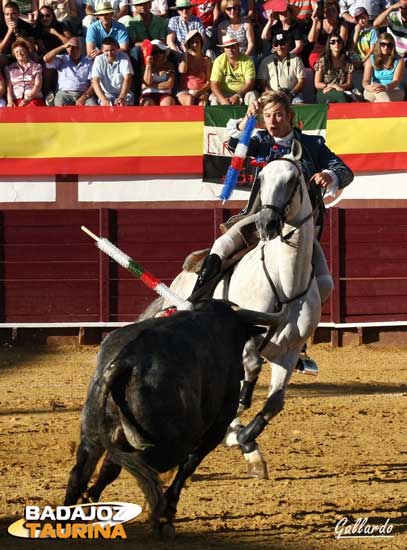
(316, 156)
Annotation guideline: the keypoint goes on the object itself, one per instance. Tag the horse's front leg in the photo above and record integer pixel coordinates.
(280, 376)
(252, 364)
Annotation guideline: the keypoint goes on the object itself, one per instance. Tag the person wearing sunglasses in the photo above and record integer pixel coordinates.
(50, 32)
(395, 18)
(180, 25)
(384, 72)
(235, 25)
(333, 73)
(323, 26)
(282, 70)
(288, 23)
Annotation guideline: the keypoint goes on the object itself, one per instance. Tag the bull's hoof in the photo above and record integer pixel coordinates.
(168, 531)
(258, 470)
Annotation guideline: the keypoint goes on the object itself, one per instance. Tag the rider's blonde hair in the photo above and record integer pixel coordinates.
(271, 97)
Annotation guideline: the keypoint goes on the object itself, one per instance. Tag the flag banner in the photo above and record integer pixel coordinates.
(101, 140)
(369, 137)
(311, 119)
(183, 141)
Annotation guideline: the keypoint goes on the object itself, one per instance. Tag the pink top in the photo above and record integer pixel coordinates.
(196, 76)
(22, 80)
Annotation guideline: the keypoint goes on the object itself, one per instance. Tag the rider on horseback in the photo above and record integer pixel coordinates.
(323, 170)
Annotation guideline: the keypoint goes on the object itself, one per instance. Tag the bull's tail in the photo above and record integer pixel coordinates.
(147, 477)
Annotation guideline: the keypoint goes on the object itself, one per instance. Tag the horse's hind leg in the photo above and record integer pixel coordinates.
(109, 472)
(87, 457)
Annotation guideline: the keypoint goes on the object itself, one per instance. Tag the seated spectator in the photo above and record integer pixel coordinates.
(282, 71)
(28, 9)
(364, 35)
(91, 6)
(395, 18)
(74, 75)
(158, 78)
(236, 26)
(325, 23)
(159, 7)
(180, 25)
(50, 33)
(303, 10)
(208, 12)
(384, 72)
(373, 8)
(286, 22)
(233, 76)
(66, 12)
(103, 28)
(112, 75)
(24, 78)
(13, 28)
(333, 72)
(195, 72)
(2, 91)
(144, 24)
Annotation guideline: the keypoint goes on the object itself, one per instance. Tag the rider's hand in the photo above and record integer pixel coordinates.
(254, 108)
(322, 179)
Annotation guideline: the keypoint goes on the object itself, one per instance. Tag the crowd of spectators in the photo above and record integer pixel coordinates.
(186, 52)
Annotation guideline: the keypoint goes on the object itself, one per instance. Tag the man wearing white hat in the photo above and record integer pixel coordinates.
(233, 76)
(104, 27)
(180, 25)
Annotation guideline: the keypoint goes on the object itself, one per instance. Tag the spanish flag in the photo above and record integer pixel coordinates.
(369, 137)
(101, 140)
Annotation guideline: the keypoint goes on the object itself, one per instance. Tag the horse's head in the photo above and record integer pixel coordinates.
(281, 196)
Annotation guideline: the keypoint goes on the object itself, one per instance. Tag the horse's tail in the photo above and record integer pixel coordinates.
(152, 309)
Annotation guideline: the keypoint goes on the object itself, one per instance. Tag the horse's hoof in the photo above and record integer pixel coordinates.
(258, 470)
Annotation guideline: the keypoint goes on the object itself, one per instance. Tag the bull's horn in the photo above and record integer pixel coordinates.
(260, 318)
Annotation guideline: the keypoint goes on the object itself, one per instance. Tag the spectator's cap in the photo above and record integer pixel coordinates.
(279, 38)
(275, 5)
(137, 2)
(191, 34)
(181, 4)
(359, 10)
(228, 40)
(160, 45)
(103, 8)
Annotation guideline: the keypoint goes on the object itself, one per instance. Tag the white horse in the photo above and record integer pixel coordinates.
(277, 273)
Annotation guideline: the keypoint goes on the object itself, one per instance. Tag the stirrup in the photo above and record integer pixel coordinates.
(306, 365)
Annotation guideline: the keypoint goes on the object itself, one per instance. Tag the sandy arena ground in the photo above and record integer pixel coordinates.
(339, 449)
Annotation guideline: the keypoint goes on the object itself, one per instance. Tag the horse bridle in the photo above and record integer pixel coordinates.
(282, 212)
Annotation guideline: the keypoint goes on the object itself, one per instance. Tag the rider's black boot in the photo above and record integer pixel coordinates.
(210, 268)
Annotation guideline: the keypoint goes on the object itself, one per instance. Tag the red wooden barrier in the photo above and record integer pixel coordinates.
(50, 272)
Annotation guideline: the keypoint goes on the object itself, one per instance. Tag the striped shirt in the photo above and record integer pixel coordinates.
(398, 29)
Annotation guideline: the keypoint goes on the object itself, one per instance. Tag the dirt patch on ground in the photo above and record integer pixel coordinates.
(339, 449)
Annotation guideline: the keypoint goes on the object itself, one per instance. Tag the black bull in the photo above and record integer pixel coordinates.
(163, 394)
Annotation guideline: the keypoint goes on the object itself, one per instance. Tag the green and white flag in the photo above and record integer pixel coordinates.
(311, 119)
